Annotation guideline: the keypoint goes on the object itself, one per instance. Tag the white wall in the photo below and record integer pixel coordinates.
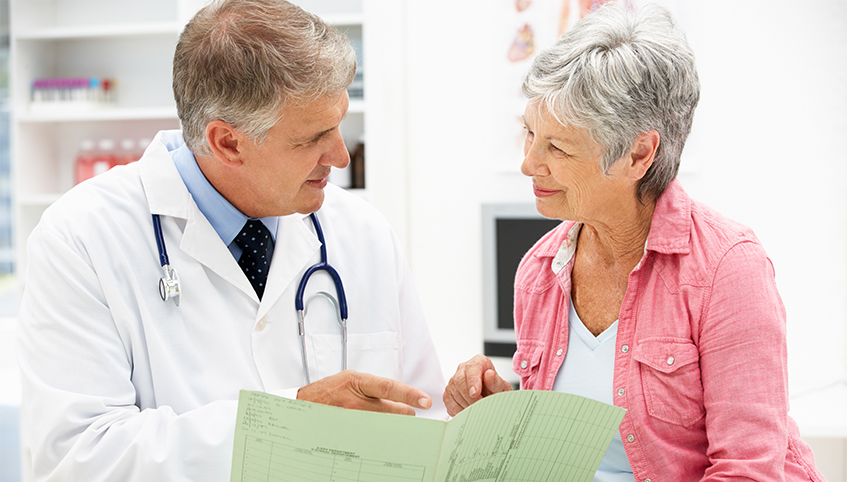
(769, 149)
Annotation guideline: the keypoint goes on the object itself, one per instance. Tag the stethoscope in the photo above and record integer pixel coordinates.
(169, 288)
(169, 283)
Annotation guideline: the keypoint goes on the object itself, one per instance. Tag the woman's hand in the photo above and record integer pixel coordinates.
(474, 379)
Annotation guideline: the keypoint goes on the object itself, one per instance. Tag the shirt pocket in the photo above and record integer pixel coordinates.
(670, 376)
(526, 361)
(374, 353)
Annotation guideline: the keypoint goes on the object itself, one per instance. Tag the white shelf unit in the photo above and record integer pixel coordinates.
(130, 42)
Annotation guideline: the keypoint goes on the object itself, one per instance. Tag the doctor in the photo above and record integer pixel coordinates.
(120, 384)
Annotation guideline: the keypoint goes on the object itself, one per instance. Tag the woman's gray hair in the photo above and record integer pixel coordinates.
(241, 61)
(619, 74)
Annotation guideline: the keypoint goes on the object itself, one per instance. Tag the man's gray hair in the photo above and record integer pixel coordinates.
(242, 61)
(619, 74)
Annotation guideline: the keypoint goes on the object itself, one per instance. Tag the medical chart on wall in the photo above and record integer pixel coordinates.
(533, 25)
(511, 436)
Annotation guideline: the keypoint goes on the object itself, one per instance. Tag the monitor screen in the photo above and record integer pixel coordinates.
(509, 231)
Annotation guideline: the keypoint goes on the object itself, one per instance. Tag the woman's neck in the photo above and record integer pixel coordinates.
(621, 239)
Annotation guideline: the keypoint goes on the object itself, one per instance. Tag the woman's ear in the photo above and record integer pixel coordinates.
(643, 154)
(225, 142)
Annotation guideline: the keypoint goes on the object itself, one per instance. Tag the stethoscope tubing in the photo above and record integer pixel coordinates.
(299, 305)
(323, 265)
(160, 241)
(169, 287)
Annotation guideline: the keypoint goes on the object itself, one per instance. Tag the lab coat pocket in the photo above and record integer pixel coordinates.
(670, 376)
(526, 361)
(374, 353)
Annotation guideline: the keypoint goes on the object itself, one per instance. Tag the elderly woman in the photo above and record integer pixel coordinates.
(642, 297)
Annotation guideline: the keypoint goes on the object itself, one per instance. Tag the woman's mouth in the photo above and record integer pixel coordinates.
(541, 192)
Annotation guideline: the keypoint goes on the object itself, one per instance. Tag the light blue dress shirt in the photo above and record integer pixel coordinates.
(588, 370)
(223, 216)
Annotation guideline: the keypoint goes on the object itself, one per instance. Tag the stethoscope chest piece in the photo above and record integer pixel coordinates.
(169, 285)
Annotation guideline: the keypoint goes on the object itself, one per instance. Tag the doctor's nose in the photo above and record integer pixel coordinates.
(336, 155)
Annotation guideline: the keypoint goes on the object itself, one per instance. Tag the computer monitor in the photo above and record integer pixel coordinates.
(508, 231)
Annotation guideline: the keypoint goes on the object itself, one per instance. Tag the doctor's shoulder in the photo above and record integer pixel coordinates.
(115, 197)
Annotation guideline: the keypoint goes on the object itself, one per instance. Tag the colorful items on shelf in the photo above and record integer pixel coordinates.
(92, 159)
(73, 90)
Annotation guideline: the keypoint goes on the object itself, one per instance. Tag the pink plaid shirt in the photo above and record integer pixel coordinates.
(700, 359)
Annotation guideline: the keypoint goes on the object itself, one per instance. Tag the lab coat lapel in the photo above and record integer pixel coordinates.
(168, 197)
(294, 247)
(163, 186)
(201, 242)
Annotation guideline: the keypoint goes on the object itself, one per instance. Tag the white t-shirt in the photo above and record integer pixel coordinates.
(588, 370)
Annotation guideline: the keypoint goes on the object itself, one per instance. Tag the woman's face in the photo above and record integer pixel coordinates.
(564, 163)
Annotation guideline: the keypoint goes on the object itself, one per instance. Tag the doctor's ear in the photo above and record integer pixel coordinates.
(225, 142)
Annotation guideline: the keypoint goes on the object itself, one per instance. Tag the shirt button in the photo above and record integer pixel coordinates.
(559, 352)
(630, 438)
(523, 364)
(621, 392)
(625, 348)
(647, 480)
(262, 324)
(670, 360)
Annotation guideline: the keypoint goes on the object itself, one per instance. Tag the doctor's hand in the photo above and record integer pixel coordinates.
(363, 391)
(474, 379)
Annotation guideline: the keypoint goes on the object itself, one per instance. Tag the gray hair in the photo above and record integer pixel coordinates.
(619, 74)
(241, 61)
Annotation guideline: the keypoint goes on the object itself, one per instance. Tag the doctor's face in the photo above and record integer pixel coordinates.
(288, 172)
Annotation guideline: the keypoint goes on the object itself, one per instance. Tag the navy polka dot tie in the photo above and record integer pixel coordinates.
(254, 241)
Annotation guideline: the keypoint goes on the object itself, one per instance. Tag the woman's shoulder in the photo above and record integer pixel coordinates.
(713, 231)
(694, 240)
(684, 225)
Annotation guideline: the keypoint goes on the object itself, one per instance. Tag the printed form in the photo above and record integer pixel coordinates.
(511, 436)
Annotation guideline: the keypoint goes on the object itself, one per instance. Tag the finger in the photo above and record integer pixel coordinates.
(457, 388)
(453, 405)
(493, 383)
(386, 406)
(474, 369)
(388, 389)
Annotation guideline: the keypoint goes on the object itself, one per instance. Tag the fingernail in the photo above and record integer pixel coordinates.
(472, 391)
(424, 402)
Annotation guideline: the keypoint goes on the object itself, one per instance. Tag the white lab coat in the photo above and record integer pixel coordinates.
(119, 385)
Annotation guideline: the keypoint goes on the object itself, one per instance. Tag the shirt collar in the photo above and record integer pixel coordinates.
(566, 249)
(223, 216)
(670, 228)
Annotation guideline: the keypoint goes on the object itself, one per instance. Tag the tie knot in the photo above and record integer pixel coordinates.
(254, 237)
(254, 241)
